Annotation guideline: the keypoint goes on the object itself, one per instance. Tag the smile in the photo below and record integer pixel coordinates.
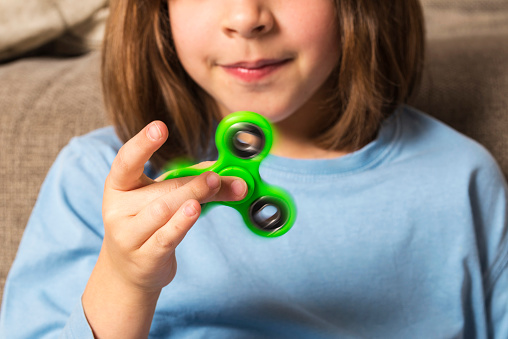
(256, 70)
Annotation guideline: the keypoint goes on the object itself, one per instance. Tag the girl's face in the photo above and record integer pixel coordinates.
(266, 56)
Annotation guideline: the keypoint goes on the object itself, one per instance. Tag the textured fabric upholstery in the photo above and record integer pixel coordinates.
(43, 103)
(69, 26)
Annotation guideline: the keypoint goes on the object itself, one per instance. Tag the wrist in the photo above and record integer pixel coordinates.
(116, 308)
(111, 284)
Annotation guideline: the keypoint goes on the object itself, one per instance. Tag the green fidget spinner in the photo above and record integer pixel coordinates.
(243, 140)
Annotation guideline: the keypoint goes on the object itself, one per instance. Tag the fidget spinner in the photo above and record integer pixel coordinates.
(243, 140)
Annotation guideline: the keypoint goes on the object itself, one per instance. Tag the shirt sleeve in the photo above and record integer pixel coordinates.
(490, 200)
(59, 248)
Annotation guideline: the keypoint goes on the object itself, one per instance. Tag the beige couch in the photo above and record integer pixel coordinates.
(44, 101)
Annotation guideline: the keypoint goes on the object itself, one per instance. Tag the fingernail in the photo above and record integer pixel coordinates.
(154, 132)
(239, 187)
(213, 180)
(190, 210)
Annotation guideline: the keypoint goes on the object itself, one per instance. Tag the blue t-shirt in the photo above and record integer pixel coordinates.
(405, 238)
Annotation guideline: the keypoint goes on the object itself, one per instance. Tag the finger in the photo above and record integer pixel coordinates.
(127, 170)
(204, 164)
(169, 236)
(231, 189)
(201, 165)
(160, 211)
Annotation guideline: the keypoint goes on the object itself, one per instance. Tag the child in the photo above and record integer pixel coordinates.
(402, 222)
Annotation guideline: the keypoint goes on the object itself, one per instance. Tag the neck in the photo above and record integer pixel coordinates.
(294, 134)
(289, 143)
(298, 150)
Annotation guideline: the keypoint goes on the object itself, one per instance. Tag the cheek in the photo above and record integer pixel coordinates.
(189, 36)
(315, 31)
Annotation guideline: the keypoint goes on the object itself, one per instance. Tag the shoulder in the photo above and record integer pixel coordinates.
(76, 179)
(425, 136)
(97, 149)
(92, 154)
(81, 168)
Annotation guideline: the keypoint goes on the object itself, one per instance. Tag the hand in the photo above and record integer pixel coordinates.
(144, 221)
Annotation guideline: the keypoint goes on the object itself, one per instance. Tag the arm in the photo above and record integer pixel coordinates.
(497, 303)
(58, 250)
(496, 278)
(144, 221)
(489, 198)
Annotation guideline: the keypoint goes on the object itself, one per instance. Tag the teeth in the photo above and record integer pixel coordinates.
(255, 68)
(250, 68)
(245, 70)
(258, 66)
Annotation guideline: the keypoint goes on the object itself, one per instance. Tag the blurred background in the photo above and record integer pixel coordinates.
(50, 88)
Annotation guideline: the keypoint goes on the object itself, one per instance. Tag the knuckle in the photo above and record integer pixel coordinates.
(195, 190)
(160, 209)
(198, 190)
(120, 164)
(180, 229)
(164, 242)
(109, 216)
(175, 184)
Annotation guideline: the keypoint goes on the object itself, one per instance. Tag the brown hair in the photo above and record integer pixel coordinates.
(382, 53)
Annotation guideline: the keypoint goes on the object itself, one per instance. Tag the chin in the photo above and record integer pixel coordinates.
(273, 114)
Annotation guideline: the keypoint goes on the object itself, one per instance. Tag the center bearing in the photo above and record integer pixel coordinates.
(247, 140)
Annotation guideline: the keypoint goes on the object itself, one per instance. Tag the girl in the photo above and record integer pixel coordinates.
(402, 222)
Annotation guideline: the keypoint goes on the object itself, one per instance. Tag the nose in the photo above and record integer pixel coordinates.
(248, 19)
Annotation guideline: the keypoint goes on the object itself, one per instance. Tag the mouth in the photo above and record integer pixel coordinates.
(252, 71)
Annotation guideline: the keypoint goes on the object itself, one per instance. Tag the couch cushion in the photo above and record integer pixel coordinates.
(455, 18)
(43, 103)
(25, 25)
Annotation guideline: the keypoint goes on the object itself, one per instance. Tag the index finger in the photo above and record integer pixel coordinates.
(127, 169)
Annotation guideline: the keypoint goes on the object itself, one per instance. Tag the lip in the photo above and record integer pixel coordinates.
(252, 71)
